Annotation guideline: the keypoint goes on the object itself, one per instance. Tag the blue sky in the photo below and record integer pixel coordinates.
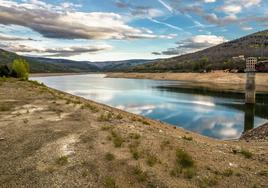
(103, 30)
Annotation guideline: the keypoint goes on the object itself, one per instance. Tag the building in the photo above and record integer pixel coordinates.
(251, 64)
(239, 58)
(262, 66)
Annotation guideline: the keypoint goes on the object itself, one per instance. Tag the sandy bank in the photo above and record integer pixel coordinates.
(214, 81)
(52, 139)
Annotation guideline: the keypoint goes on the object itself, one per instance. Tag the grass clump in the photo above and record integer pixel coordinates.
(263, 173)
(164, 144)
(183, 159)
(91, 107)
(184, 165)
(134, 149)
(228, 172)
(187, 138)
(106, 128)
(119, 116)
(140, 175)
(208, 181)
(117, 139)
(63, 160)
(246, 153)
(5, 107)
(135, 154)
(109, 156)
(145, 122)
(135, 136)
(109, 182)
(151, 159)
(105, 117)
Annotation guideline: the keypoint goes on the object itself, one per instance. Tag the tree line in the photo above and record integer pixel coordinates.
(18, 69)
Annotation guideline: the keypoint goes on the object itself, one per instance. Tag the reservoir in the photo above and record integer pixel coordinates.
(214, 114)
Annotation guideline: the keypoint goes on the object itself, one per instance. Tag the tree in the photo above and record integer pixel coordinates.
(4, 71)
(20, 69)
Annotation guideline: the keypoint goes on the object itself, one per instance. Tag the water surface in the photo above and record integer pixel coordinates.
(214, 114)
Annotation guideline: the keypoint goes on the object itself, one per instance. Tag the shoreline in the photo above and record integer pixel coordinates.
(58, 74)
(54, 134)
(216, 81)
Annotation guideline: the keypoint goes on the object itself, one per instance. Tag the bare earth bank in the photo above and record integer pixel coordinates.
(52, 139)
(214, 81)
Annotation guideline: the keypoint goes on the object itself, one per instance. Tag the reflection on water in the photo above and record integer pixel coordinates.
(209, 113)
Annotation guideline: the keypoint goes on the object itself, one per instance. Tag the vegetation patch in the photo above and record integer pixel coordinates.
(109, 156)
(63, 160)
(139, 174)
(183, 159)
(119, 116)
(263, 173)
(106, 128)
(228, 172)
(105, 117)
(93, 108)
(5, 107)
(133, 147)
(151, 159)
(246, 153)
(135, 136)
(165, 144)
(184, 165)
(187, 138)
(109, 182)
(117, 139)
(208, 181)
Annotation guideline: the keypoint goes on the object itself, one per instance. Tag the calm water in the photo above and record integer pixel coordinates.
(213, 114)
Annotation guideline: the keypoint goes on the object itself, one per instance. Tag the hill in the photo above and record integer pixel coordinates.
(217, 58)
(46, 65)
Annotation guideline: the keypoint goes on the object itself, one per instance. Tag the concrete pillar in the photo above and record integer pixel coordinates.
(249, 117)
(250, 88)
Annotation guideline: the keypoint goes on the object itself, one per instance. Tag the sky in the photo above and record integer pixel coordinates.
(109, 30)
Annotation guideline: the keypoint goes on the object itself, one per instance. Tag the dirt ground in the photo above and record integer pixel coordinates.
(215, 81)
(52, 139)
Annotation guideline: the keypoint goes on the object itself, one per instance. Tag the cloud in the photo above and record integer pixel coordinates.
(54, 52)
(167, 6)
(193, 44)
(4, 37)
(54, 22)
(139, 11)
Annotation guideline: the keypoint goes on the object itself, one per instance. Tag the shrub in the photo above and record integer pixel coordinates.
(20, 69)
(4, 71)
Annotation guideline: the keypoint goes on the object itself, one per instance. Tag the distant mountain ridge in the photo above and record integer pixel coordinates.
(47, 65)
(217, 57)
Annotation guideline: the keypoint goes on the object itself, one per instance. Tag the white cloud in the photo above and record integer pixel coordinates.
(55, 22)
(167, 6)
(26, 49)
(193, 44)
